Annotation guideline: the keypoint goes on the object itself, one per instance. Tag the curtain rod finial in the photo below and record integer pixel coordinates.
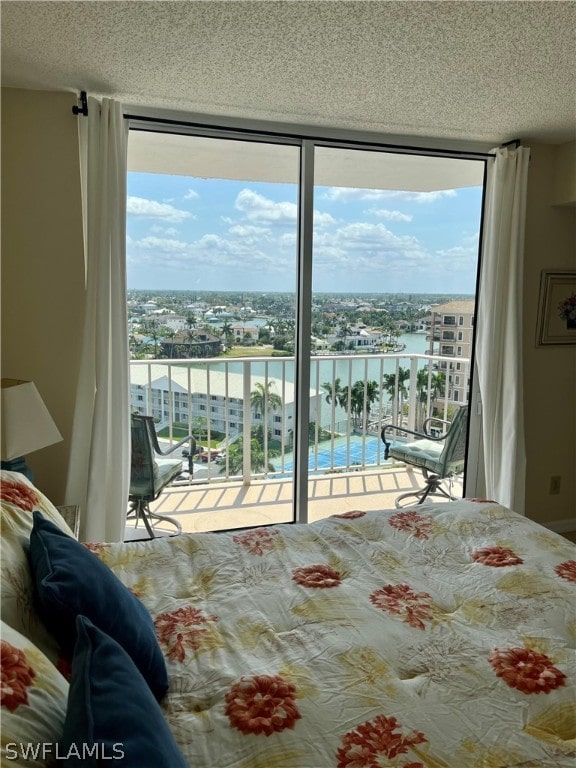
(82, 110)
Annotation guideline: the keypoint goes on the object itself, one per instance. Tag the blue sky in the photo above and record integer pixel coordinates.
(212, 234)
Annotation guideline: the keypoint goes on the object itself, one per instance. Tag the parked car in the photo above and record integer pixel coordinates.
(208, 455)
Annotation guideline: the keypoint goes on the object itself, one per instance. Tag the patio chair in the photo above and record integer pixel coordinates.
(151, 472)
(439, 457)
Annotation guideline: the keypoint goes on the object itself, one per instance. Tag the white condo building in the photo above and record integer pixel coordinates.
(215, 395)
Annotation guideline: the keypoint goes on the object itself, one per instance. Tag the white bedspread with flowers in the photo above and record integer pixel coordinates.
(442, 635)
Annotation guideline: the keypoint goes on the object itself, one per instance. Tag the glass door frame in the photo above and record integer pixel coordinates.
(307, 143)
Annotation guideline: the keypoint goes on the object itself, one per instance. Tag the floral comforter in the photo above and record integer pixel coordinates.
(437, 636)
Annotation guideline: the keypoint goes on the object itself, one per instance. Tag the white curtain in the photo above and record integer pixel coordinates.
(499, 334)
(98, 474)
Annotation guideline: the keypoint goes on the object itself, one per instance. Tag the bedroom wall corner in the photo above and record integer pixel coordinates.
(43, 293)
(549, 371)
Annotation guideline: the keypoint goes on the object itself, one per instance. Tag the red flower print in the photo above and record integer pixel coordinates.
(16, 676)
(497, 557)
(412, 522)
(567, 570)
(400, 600)
(258, 541)
(181, 630)
(527, 670)
(319, 576)
(354, 514)
(98, 548)
(262, 704)
(19, 494)
(367, 744)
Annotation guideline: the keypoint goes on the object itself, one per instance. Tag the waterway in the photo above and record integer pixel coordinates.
(348, 369)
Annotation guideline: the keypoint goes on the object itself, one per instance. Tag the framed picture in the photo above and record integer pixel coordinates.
(557, 314)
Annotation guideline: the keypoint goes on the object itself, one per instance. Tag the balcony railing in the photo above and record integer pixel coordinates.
(221, 400)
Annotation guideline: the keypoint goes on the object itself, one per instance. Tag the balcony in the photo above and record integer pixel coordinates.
(225, 400)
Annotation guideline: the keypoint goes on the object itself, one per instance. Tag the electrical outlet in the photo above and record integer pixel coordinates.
(554, 485)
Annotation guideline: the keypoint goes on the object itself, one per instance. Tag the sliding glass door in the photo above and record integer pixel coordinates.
(287, 297)
(395, 258)
(212, 270)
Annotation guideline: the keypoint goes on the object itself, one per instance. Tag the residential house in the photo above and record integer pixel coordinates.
(198, 343)
(412, 74)
(359, 339)
(245, 333)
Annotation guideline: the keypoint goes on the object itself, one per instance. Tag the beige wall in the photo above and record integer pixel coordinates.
(42, 261)
(565, 174)
(43, 289)
(550, 371)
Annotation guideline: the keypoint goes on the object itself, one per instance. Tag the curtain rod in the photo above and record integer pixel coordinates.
(83, 110)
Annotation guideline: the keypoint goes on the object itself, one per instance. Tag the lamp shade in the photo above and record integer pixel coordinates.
(26, 424)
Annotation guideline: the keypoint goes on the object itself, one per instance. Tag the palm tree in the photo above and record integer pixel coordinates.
(153, 330)
(190, 337)
(170, 334)
(258, 457)
(437, 384)
(397, 393)
(429, 385)
(344, 329)
(333, 392)
(262, 399)
(362, 395)
(227, 333)
(140, 349)
(372, 392)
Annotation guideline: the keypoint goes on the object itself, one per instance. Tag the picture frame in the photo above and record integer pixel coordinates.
(557, 308)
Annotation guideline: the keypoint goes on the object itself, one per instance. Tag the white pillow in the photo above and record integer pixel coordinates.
(33, 700)
(18, 499)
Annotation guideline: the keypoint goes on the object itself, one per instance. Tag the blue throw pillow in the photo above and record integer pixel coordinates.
(112, 717)
(70, 580)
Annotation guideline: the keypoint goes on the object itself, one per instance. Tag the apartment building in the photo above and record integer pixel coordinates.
(181, 394)
(451, 333)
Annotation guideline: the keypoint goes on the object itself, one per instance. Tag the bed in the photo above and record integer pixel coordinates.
(442, 635)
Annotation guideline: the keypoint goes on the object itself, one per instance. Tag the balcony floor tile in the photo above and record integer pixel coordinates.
(224, 506)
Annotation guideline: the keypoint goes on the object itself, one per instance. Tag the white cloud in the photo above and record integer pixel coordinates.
(256, 244)
(385, 213)
(248, 249)
(162, 244)
(152, 209)
(247, 230)
(344, 194)
(259, 208)
(323, 219)
(362, 247)
(191, 195)
(156, 229)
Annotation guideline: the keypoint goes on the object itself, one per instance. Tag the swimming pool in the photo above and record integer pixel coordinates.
(343, 452)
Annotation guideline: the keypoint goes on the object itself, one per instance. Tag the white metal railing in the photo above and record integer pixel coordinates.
(351, 397)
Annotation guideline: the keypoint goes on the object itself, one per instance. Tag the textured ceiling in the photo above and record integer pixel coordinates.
(481, 71)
